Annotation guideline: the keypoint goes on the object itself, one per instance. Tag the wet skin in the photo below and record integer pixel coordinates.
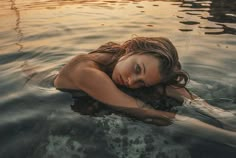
(135, 71)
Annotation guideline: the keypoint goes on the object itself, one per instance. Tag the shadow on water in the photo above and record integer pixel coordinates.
(220, 11)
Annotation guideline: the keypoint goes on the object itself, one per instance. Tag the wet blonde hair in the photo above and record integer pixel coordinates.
(158, 47)
(170, 69)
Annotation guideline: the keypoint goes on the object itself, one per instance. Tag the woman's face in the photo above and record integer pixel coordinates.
(135, 71)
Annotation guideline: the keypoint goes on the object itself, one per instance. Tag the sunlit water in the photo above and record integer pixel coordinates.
(36, 119)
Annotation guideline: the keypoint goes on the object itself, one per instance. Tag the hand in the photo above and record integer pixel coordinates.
(177, 93)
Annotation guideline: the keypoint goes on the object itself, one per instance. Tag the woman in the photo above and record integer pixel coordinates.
(146, 68)
(142, 62)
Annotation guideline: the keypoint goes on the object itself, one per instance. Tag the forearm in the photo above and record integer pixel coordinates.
(104, 90)
(148, 114)
(200, 129)
(179, 93)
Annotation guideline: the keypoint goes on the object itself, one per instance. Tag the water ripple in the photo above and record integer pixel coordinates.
(39, 37)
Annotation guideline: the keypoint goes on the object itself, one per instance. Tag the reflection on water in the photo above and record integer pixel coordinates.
(223, 11)
(214, 10)
(36, 119)
(218, 10)
(17, 28)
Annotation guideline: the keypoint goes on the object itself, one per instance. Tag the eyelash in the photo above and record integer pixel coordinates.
(137, 69)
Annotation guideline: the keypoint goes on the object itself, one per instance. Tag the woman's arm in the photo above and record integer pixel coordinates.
(179, 93)
(98, 85)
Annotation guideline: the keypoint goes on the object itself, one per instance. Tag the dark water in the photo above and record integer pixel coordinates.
(36, 119)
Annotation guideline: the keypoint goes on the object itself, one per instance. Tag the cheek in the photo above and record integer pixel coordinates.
(119, 68)
(124, 67)
(126, 70)
(117, 71)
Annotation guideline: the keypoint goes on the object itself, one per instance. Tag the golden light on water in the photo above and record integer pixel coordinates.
(97, 14)
(38, 37)
(86, 24)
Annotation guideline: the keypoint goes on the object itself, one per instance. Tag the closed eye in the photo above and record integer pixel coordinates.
(137, 69)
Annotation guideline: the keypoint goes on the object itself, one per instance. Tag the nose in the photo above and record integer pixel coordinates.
(132, 80)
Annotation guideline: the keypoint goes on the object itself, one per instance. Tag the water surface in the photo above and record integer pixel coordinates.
(36, 119)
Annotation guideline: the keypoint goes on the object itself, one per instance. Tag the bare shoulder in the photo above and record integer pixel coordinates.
(72, 71)
(80, 67)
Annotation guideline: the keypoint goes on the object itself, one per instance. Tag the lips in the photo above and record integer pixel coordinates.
(121, 80)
